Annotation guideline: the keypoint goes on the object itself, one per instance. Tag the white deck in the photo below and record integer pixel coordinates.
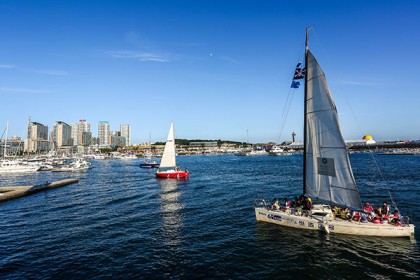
(333, 225)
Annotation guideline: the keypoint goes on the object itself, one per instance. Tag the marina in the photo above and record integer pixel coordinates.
(119, 219)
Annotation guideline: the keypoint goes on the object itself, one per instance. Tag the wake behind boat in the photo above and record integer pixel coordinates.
(168, 167)
(327, 174)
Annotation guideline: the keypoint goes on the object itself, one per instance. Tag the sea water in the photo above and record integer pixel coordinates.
(119, 221)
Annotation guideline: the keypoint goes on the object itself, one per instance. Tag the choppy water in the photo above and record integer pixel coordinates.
(119, 221)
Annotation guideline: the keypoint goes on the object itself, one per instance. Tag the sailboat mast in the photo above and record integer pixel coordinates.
(5, 141)
(305, 117)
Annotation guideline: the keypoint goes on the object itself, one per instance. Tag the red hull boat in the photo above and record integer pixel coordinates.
(172, 174)
(168, 162)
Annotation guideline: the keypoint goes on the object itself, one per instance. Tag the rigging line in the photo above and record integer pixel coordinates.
(285, 118)
(4, 132)
(370, 150)
(289, 99)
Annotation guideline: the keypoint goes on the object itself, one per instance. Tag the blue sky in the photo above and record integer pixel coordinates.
(218, 69)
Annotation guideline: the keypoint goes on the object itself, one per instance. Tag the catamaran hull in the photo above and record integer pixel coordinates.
(332, 225)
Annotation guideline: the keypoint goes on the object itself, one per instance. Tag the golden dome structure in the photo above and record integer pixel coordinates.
(367, 137)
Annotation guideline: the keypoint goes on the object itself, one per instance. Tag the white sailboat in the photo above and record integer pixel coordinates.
(168, 167)
(148, 158)
(327, 175)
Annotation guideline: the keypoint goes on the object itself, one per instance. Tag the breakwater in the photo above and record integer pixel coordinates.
(14, 192)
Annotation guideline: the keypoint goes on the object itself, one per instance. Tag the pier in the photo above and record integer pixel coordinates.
(10, 193)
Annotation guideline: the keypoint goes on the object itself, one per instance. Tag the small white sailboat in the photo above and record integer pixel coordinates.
(148, 158)
(327, 174)
(148, 161)
(168, 167)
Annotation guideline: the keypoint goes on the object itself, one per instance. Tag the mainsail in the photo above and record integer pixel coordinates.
(329, 177)
(168, 157)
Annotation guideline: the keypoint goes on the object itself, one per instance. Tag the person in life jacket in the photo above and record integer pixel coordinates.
(345, 213)
(363, 218)
(336, 210)
(386, 208)
(356, 216)
(377, 219)
(396, 219)
(385, 212)
(307, 204)
(367, 208)
(275, 205)
(286, 203)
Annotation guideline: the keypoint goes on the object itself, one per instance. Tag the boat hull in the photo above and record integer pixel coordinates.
(69, 169)
(149, 165)
(7, 167)
(172, 174)
(332, 225)
(19, 170)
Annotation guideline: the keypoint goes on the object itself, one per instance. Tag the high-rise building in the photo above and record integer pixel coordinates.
(62, 134)
(104, 133)
(117, 141)
(125, 131)
(115, 133)
(77, 131)
(37, 138)
(86, 138)
(94, 141)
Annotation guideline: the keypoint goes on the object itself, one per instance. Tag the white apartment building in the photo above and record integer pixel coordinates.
(77, 132)
(104, 133)
(125, 131)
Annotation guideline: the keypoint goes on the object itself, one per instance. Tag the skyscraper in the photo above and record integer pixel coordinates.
(125, 130)
(62, 134)
(104, 133)
(37, 138)
(77, 132)
(86, 138)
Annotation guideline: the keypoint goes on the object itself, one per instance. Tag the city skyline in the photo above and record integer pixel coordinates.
(40, 138)
(218, 69)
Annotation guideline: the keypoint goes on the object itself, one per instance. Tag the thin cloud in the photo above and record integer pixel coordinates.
(7, 66)
(24, 90)
(139, 55)
(229, 59)
(52, 72)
